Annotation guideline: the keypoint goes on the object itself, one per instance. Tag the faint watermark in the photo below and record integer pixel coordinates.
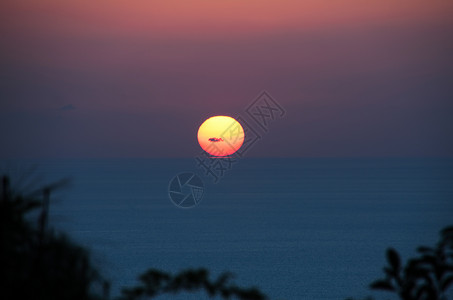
(264, 110)
(186, 190)
(251, 126)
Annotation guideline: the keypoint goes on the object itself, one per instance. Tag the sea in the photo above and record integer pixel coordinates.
(296, 228)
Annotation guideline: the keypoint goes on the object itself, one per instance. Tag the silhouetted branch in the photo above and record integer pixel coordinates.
(36, 262)
(155, 283)
(426, 277)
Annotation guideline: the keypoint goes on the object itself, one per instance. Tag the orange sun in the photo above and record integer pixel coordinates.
(220, 135)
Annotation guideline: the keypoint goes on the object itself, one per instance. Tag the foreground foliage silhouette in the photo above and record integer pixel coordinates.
(426, 277)
(39, 263)
(155, 283)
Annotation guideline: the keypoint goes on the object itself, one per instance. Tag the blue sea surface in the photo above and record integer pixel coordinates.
(297, 228)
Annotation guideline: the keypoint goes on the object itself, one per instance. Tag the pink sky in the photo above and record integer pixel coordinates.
(358, 78)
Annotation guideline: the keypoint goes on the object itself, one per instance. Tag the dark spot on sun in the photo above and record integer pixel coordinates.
(213, 139)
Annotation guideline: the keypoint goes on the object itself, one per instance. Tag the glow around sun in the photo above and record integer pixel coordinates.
(221, 135)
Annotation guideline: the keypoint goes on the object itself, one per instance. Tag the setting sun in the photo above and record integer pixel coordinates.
(220, 135)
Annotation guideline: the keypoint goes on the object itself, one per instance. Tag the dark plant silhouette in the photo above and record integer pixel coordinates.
(36, 262)
(426, 277)
(155, 283)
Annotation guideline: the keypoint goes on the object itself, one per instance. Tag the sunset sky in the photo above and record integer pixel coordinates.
(117, 78)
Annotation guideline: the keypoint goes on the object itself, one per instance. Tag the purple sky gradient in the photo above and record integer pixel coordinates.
(109, 79)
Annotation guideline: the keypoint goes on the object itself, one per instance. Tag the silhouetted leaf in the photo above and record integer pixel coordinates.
(249, 294)
(431, 291)
(417, 272)
(421, 293)
(382, 285)
(223, 279)
(390, 272)
(429, 260)
(447, 231)
(393, 259)
(446, 282)
(153, 276)
(424, 277)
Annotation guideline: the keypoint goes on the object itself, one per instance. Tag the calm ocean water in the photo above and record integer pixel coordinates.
(295, 228)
